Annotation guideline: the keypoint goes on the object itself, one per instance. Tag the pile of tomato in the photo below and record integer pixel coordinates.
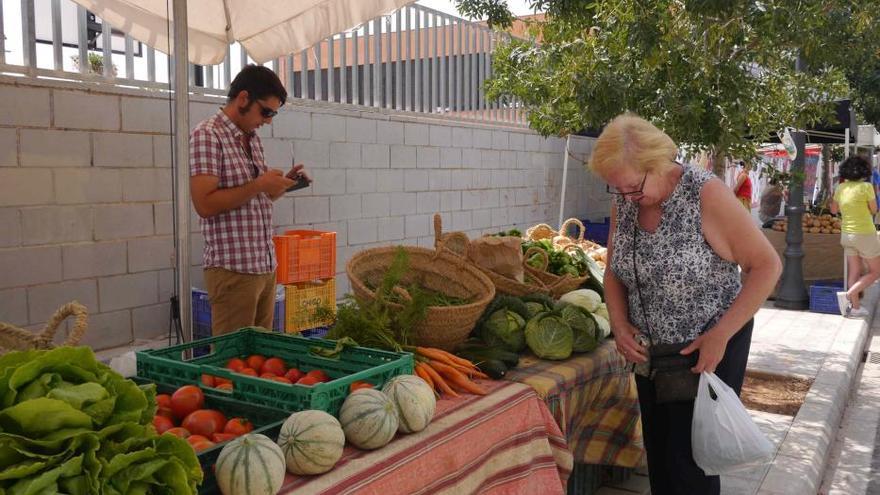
(273, 368)
(182, 413)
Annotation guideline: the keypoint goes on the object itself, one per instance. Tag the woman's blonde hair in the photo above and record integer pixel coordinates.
(632, 140)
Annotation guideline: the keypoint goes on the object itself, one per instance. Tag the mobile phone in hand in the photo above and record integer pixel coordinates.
(301, 181)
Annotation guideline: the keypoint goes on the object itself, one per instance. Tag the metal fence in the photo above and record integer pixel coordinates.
(414, 60)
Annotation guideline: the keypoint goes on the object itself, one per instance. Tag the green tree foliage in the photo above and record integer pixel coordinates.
(712, 73)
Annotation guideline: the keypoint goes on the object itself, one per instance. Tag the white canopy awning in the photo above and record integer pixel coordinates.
(266, 28)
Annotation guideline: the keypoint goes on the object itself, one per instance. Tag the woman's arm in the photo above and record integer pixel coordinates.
(733, 235)
(740, 178)
(618, 308)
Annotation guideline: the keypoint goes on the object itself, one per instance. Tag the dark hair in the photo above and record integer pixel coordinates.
(855, 168)
(260, 82)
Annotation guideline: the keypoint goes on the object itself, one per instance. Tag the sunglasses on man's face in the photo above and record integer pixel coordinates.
(265, 111)
(637, 192)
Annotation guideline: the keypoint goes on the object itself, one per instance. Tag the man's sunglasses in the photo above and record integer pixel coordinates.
(265, 111)
(637, 192)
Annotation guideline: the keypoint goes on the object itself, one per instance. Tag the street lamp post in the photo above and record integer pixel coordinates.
(792, 292)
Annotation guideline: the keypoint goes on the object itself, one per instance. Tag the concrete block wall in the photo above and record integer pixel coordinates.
(86, 193)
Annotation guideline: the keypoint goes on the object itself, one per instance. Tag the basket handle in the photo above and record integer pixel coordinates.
(448, 241)
(403, 293)
(80, 323)
(563, 229)
(544, 257)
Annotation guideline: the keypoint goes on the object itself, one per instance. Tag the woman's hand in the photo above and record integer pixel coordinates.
(712, 345)
(624, 338)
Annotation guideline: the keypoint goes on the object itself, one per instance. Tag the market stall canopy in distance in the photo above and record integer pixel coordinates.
(266, 28)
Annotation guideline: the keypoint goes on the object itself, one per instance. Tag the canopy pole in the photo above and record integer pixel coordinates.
(564, 178)
(181, 168)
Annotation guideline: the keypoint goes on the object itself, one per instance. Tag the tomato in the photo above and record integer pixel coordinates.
(208, 381)
(222, 437)
(307, 380)
(199, 442)
(248, 371)
(220, 381)
(225, 386)
(187, 399)
(236, 364)
(359, 384)
(294, 374)
(178, 432)
(255, 361)
(281, 379)
(268, 375)
(162, 424)
(166, 412)
(319, 375)
(204, 422)
(163, 400)
(274, 365)
(238, 426)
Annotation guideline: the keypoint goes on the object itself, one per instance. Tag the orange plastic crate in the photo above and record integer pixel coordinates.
(303, 301)
(305, 255)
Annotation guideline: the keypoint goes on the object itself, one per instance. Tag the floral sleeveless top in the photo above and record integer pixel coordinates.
(685, 286)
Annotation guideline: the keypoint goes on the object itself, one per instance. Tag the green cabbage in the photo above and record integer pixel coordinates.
(504, 329)
(583, 326)
(585, 298)
(549, 337)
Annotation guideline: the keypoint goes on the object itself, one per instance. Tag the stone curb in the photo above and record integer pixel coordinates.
(800, 462)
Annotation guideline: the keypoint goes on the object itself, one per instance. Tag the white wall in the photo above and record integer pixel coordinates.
(86, 190)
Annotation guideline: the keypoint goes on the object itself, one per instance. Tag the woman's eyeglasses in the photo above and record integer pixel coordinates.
(637, 192)
(265, 111)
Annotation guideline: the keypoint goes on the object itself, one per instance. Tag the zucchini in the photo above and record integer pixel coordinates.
(492, 367)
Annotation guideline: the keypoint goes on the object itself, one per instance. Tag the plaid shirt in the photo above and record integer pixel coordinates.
(239, 240)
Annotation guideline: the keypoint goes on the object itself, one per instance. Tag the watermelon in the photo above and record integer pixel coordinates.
(312, 442)
(250, 465)
(414, 400)
(368, 418)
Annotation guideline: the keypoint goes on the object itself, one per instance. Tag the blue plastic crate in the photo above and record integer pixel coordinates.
(201, 310)
(823, 297)
(315, 333)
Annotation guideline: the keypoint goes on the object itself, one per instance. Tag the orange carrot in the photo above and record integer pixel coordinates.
(470, 372)
(435, 354)
(460, 360)
(457, 378)
(438, 380)
(424, 376)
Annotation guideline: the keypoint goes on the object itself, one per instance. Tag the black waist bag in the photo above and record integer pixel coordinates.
(671, 373)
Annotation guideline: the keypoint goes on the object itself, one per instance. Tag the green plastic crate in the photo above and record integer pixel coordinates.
(173, 366)
(266, 420)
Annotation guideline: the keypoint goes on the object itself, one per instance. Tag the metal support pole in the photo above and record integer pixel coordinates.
(181, 169)
(793, 292)
(564, 180)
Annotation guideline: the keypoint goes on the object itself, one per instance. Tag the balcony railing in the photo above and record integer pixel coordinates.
(413, 60)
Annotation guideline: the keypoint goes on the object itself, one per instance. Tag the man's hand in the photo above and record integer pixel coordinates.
(273, 183)
(297, 172)
(712, 345)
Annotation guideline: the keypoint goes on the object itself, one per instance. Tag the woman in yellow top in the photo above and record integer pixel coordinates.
(856, 202)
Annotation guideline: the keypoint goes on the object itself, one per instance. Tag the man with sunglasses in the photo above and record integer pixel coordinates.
(232, 190)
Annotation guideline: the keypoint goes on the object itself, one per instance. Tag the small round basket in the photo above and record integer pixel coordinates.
(557, 285)
(444, 327)
(13, 338)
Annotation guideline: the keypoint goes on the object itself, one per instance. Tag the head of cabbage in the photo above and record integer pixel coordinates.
(549, 336)
(583, 326)
(504, 329)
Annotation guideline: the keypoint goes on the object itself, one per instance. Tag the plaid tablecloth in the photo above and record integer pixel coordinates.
(593, 399)
(506, 442)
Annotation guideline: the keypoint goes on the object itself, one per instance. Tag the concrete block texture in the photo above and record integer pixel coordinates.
(345, 155)
(128, 291)
(292, 123)
(108, 330)
(150, 322)
(345, 207)
(326, 181)
(416, 134)
(78, 110)
(10, 226)
(8, 147)
(376, 155)
(312, 152)
(145, 115)
(30, 266)
(114, 149)
(151, 253)
(120, 221)
(362, 231)
(47, 148)
(389, 132)
(462, 137)
(88, 185)
(54, 224)
(416, 180)
(13, 306)
(147, 185)
(311, 210)
(403, 156)
(94, 259)
(376, 205)
(328, 127)
(440, 136)
(427, 157)
(22, 187)
(391, 228)
(360, 181)
(389, 181)
(44, 300)
(24, 106)
(360, 130)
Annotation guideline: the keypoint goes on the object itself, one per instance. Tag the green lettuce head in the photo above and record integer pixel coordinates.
(549, 337)
(504, 329)
(583, 326)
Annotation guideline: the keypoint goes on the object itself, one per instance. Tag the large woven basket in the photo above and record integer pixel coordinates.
(444, 327)
(457, 244)
(13, 338)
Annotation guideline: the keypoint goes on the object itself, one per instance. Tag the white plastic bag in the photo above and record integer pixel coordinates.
(125, 365)
(723, 436)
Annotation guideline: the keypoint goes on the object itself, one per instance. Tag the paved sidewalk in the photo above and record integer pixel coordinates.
(826, 348)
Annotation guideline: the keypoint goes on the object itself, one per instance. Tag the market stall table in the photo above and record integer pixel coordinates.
(593, 399)
(504, 442)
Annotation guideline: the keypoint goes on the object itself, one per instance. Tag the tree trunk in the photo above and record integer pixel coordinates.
(719, 166)
(825, 179)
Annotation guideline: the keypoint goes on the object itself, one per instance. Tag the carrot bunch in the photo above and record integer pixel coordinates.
(446, 372)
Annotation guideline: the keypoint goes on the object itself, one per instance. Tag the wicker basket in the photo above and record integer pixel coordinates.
(457, 243)
(444, 326)
(558, 285)
(13, 338)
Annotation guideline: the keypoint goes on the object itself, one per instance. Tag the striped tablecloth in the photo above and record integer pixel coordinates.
(506, 442)
(593, 399)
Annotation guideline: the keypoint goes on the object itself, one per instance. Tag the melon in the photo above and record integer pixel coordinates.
(312, 442)
(251, 464)
(414, 400)
(368, 418)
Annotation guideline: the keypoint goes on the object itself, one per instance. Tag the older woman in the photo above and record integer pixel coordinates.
(677, 236)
